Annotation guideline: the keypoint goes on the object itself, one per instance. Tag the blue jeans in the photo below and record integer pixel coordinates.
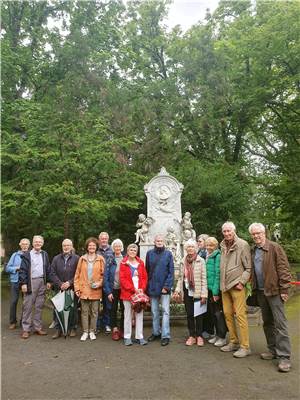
(164, 300)
(104, 319)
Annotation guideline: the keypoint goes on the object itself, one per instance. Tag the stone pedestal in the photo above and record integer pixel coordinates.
(163, 211)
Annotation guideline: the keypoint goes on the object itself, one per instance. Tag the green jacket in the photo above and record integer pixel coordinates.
(213, 272)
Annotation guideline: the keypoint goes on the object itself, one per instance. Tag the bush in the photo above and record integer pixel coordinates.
(292, 249)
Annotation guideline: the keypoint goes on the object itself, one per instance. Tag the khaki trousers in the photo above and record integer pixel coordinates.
(89, 310)
(234, 301)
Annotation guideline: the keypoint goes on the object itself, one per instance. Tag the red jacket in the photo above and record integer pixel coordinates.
(126, 284)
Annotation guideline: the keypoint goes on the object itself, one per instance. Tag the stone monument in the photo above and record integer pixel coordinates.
(164, 216)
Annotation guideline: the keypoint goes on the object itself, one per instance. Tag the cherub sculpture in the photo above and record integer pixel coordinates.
(171, 241)
(143, 224)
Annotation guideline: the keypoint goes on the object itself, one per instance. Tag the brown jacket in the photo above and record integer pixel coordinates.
(81, 281)
(276, 268)
(235, 266)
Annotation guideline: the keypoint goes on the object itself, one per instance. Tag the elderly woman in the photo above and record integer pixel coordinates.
(192, 284)
(214, 304)
(133, 280)
(112, 289)
(88, 283)
(201, 245)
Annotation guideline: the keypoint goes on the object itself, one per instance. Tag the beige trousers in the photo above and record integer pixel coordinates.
(89, 310)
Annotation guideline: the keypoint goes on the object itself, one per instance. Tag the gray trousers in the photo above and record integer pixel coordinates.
(35, 299)
(275, 324)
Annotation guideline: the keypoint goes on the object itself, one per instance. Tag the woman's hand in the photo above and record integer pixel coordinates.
(97, 285)
(77, 292)
(24, 288)
(110, 297)
(216, 298)
(203, 300)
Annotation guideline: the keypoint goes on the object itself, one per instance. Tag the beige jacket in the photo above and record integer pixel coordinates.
(199, 278)
(236, 265)
(81, 281)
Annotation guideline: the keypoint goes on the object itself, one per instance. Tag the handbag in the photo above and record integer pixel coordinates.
(139, 301)
(219, 315)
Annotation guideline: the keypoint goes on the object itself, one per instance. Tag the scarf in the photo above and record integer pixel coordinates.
(189, 271)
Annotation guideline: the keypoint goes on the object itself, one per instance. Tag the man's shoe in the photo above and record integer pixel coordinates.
(242, 352)
(220, 342)
(152, 338)
(284, 365)
(41, 332)
(107, 330)
(190, 341)
(141, 342)
(12, 326)
(84, 336)
(165, 341)
(116, 335)
(267, 356)
(25, 335)
(72, 333)
(92, 336)
(128, 342)
(56, 335)
(230, 347)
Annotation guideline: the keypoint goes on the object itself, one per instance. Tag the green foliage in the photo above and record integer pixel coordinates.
(292, 249)
(97, 96)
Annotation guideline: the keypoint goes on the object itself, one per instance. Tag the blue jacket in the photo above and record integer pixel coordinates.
(25, 271)
(160, 270)
(109, 276)
(13, 264)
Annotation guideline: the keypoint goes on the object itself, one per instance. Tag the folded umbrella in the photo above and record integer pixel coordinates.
(63, 303)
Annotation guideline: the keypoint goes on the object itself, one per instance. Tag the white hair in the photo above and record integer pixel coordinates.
(67, 240)
(103, 234)
(25, 239)
(230, 225)
(37, 237)
(203, 236)
(191, 243)
(160, 236)
(117, 242)
(257, 225)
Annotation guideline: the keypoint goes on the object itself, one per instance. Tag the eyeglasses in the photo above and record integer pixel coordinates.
(256, 233)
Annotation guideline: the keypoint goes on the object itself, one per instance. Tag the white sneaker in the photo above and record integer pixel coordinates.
(213, 340)
(242, 352)
(52, 325)
(84, 336)
(107, 329)
(220, 342)
(92, 336)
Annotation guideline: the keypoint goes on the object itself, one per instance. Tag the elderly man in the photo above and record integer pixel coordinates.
(160, 270)
(107, 253)
(271, 278)
(34, 278)
(235, 270)
(63, 268)
(13, 268)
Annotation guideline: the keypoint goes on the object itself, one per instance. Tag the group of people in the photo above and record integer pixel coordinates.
(211, 284)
